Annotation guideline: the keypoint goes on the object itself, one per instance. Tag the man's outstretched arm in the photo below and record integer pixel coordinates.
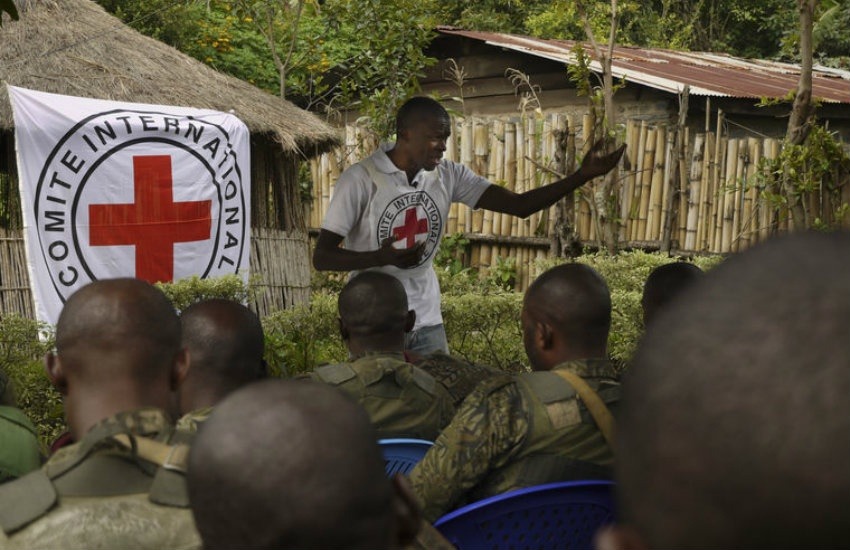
(596, 163)
(330, 256)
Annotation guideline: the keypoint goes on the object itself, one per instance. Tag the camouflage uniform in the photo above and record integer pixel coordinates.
(19, 449)
(191, 421)
(98, 493)
(459, 377)
(517, 431)
(402, 400)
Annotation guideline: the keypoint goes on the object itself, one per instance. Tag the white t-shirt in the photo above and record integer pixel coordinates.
(373, 200)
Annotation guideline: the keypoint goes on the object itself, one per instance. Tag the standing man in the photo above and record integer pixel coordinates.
(389, 210)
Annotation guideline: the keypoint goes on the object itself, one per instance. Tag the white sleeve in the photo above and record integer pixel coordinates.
(468, 186)
(348, 202)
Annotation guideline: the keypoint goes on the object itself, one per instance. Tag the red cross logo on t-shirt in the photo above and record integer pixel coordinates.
(413, 226)
(154, 222)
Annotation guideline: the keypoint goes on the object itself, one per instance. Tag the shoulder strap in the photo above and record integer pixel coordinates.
(170, 457)
(600, 413)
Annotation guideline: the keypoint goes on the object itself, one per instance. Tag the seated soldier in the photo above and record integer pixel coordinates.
(20, 451)
(225, 342)
(664, 284)
(517, 431)
(117, 364)
(401, 399)
(284, 464)
(735, 415)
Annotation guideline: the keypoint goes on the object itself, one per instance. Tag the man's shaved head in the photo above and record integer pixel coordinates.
(290, 464)
(111, 324)
(573, 300)
(373, 309)
(734, 429)
(225, 343)
(664, 284)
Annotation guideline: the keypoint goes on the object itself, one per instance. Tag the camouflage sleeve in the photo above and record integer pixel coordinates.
(487, 430)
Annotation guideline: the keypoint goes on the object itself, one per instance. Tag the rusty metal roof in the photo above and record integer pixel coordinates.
(707, 74)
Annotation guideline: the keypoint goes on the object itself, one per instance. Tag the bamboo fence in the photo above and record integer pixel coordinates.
(706, 192)
(279, 266)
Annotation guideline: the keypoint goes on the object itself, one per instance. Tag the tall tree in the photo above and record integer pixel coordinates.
(800, 121)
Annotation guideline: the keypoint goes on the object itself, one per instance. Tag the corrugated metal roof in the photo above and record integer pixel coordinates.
(708, 74)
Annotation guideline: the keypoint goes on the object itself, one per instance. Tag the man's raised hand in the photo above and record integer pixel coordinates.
(401, 257)
(598, 161)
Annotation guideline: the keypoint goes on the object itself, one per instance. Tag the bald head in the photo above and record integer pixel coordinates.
(225, 344)
(571, 305)
(118, 328)
(373, 312)
(286, 464)
(735, 420)
(664, 284)
(117, 349)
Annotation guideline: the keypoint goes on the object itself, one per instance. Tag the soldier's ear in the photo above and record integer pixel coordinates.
(410, 321)
(543, 335)
(406, 512)
(180, 369)
(55, 372)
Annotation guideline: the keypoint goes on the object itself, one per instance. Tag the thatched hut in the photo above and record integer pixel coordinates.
(74, 47)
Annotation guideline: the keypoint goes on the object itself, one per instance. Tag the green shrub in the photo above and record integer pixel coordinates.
(23, 344)
(186, 292)
(301, 338)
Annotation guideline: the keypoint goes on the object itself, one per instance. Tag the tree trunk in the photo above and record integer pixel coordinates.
(800, 121)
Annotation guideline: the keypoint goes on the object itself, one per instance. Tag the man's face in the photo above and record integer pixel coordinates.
(426, 141)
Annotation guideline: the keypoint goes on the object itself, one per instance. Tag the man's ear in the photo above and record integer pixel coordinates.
(619, 537)
(406, 513)
(182, 363)
(55, 373)
(543, 335)
(410, 321)
(343, 330)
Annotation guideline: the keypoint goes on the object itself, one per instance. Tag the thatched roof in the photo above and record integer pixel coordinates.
(74, 47)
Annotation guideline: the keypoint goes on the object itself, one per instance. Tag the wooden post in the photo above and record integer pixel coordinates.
(694, 189)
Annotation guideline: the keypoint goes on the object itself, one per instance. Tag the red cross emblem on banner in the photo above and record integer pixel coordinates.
(154, 222)
(413, 226)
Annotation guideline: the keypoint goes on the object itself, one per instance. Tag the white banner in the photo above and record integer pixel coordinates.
(112, 189)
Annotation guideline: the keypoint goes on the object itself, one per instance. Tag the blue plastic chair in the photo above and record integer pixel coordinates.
(563, 515)
(401, 455)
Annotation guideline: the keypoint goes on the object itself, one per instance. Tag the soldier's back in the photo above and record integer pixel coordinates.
(457, 376)
(401, 399)
(121, 486)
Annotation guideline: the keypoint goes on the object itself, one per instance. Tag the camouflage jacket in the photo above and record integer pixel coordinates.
(121, 486)
(401, 399)
(19, 449)
(459, 377)
(516, 431)
(191, 421)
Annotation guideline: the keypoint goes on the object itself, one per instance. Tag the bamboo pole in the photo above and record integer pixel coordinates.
(727, 212)
(497, 154)
(521, 225)
(682, 211)
(466, 157)
(531, 136)
(705, 193)
(660, 186)
(510, 223)
(694, 189)
(480, 151)
(627, 190)
(767, 211)
(646, 181)
(738, 205)
(638, 187)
